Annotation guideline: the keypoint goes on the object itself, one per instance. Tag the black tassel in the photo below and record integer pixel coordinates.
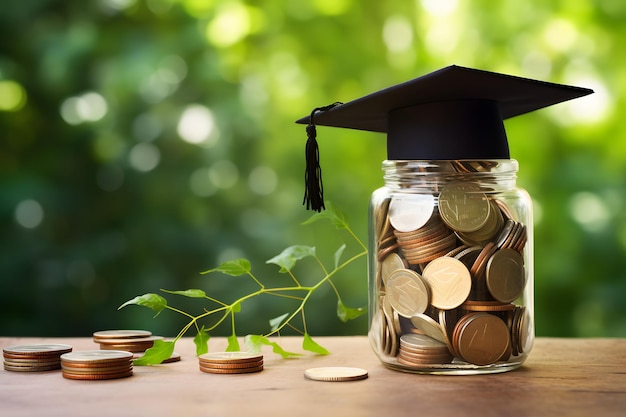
(314, 188)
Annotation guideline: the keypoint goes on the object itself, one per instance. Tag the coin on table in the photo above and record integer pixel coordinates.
(230, 362)
(34, 358)
(97, 364)
(97, 357)
(335, 374)
(230, 357)
(134, 345)
(407, 293)
(505, 275)
(120, 334)
(449, 281)
(37, 350)
(409, 212)
(463, 209)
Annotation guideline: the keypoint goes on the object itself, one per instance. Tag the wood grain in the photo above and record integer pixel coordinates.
(562, 377)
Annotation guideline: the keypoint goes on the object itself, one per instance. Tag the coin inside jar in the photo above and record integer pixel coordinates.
(449, 282)
(390, 264)
(411, 211)
(505, 275)
(463, 209)
(407, 292)
(481, 338)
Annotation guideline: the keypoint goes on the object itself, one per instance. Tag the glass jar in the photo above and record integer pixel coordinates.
(451, 267)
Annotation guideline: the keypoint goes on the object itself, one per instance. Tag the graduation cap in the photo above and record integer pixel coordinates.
(454, 113)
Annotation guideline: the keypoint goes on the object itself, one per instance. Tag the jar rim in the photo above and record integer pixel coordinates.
(462, 166)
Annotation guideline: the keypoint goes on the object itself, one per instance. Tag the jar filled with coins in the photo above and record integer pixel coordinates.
(450, 234)
(450, 274)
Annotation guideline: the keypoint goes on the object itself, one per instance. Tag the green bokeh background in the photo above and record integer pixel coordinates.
(144, 141)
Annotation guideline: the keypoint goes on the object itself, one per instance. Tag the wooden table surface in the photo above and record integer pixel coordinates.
(562, 377)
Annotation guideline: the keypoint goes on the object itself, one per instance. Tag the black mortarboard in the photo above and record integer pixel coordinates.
(450, 114)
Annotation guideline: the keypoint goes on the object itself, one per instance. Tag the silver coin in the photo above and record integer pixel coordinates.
(409, 212)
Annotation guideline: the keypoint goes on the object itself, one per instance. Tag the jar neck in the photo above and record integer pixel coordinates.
(492, 175)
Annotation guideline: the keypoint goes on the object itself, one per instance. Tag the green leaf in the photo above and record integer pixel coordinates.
(312, 346)
(254, 343)
(338, 254)
(201, 340)
(337, 217)
(193, 293)
(152, 301)
(233, 344)
(275, 322)
(347, 313)
(235, 268)
(236, 308)
(160, 351)
(288, 258)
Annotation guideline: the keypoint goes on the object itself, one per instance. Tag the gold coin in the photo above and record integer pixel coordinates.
(408, 212)
(490, 229)
(482, 338)
(505, 275)
(407, 292)
(96, 356)
(429, 327)
(449, 282)
(391, 263)
(463, 208)
(120, 334)
(335, 374)
(230, 357)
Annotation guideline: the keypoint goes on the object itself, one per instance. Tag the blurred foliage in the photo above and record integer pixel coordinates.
(143, 141)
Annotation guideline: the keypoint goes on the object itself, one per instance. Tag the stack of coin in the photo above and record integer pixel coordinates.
(419, 350)
(426, 243)
(34, 358)
(97, 364)
(135, 341)
(231, 362)
(520, 330)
